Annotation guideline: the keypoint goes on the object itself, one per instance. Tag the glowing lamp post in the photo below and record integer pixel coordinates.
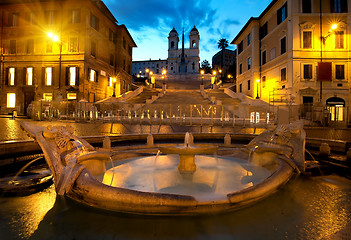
(213, 78)
(164, 72)
(55, 38)
(220, 72)
(258, 82)
(202, 76)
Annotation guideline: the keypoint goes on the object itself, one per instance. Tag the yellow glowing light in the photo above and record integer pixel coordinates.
(164, 71)
(147, 70)
(11, 100)
(138, 76)
(334, 26)
(54, 37)
(214, 72)
(114, 80)
(229, 76)
(151, 73)
(257, 80)
(202, 72)
(220, 70)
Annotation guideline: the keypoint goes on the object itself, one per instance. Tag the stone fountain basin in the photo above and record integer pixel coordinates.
(91, 191)
(192, 150)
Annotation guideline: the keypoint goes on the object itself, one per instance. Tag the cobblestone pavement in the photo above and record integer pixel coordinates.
(11, 130)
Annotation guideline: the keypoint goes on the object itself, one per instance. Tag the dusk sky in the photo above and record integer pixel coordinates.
(149, 22)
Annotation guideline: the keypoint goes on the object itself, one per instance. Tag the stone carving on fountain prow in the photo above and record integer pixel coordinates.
(287, 140)
(70, 155)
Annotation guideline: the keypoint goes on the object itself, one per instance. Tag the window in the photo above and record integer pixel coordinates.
(94, 22)
(29, 76)
(240, 68)
(338, 6)
(307, 71)
(241, 87)
(240, 47)
(50, 17)
(73, 44)
(92, 75)
(248, 63)
(75, 16)
(283, 74)
(282, 14)
(12, 47)
(248, 39)
(49, 46)
(110, 81)
(124, 84)
(172, 44)
(263, 81)
(272, 54)
(248, 84)
(11, 76)
(306, 6)
(339, 72)
(307, 39)
(11, 100)
(263, 30)
(112, 36)
(71, 96)
(124, 64)
(72, 76)
(339, 39)
(264, 58)
(29, 17)
(30, 46)
(48, 76)
(13, 18)
(283, 45)
(93, 49)
(47, 97)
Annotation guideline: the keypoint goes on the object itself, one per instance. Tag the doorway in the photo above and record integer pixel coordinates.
(28, 99)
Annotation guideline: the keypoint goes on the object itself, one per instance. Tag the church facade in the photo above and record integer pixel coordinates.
(180, 61)
(183, 60)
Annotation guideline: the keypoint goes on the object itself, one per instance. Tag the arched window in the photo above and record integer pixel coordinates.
(193, 44)
(172, 44)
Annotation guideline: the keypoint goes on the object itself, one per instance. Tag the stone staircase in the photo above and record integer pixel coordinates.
(182, 97)
(146, 94)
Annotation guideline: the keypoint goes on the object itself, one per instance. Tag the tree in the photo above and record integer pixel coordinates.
(205, 65)
(222, 44)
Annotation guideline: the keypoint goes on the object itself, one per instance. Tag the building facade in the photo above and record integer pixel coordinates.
(57, 50)
(180, 60)
(226, 61)
(297, 52)
(183, 60)
(155, 66)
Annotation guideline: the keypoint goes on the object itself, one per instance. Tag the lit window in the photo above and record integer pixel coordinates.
(47, 96)
(72, 76)
(29, 76)
(12, 76)
(11, 100)
(48, 76)
(92, 75)
(71, 96)
(111, 81)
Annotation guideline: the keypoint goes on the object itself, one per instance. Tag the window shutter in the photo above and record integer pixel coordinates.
(7, 77)
(77, 76)
(24, 74)
(43, 76)
(53, 76)
(97, 76)
(67, 82)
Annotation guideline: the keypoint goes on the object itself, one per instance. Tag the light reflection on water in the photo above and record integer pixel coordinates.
(306, 208)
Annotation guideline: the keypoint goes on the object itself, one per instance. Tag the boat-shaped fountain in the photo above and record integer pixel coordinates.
(190, 179)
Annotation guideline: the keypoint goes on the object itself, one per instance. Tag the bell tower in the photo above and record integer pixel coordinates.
(173, 40)
(194, 38)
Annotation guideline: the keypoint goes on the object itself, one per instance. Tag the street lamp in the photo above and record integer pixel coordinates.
(55, 38)
(258, 81)
(164, 72)
(220, 72)
(202, 72)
